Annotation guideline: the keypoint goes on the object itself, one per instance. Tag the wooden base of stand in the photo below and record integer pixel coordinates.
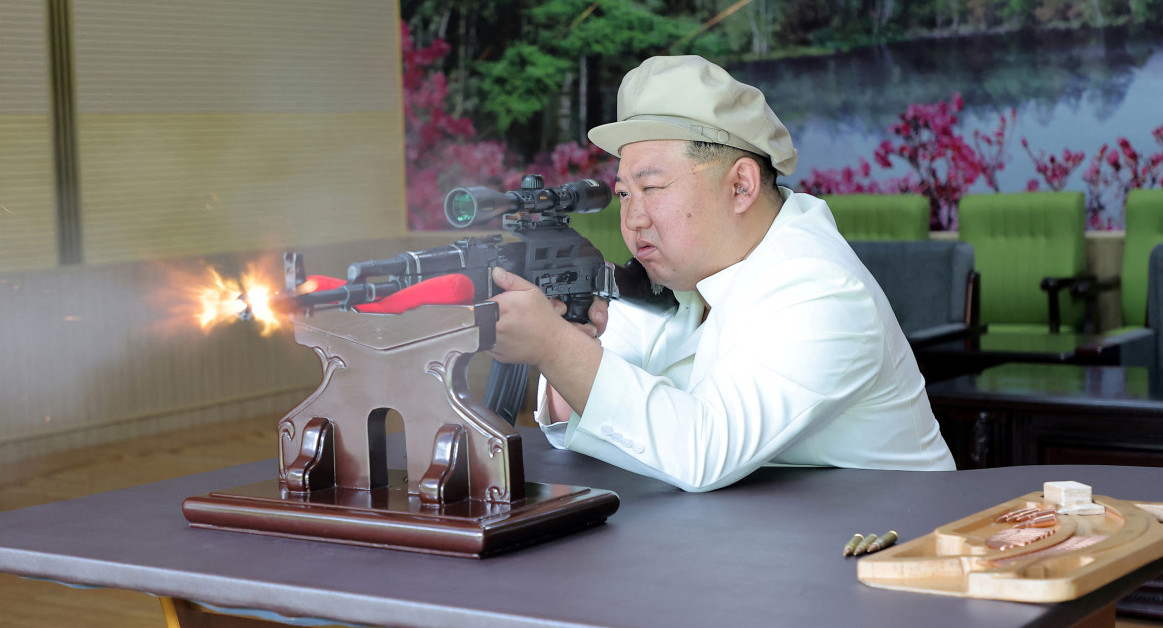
(390, 517)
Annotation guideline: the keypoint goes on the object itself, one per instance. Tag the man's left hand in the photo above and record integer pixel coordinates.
(528, 322)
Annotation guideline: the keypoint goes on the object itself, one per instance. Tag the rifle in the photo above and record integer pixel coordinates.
(548, 253)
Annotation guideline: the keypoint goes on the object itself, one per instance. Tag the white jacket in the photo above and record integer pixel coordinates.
(800, 361)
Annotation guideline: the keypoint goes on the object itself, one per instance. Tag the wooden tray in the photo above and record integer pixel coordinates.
(1082, 553)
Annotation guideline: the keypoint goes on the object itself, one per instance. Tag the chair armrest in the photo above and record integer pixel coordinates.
(1052, 286)
(1089, 290)
(1133, 335)
(1135, 347)
(1087, 287)
(937, 333)
(973, 300)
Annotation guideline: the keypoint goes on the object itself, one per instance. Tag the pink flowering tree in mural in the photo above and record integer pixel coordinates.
(439, 150)
(1055, 170)
(992, 148)
(1112, 173)
(848, 180)
(943, 166)
(944, 163)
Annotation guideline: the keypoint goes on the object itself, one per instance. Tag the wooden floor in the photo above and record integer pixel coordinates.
(36, 604)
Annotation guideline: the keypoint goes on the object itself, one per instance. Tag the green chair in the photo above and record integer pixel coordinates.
(1030, 248)
(862, 217)
(1142, 270)
(1142, 344)
(1144, 232)
(604, 229)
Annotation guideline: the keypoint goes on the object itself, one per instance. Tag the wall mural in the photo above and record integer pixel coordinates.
(936, 97)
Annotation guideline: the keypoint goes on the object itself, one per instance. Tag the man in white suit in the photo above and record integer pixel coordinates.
(782, 348)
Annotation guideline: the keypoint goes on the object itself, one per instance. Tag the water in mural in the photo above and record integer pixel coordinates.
(1076, 90)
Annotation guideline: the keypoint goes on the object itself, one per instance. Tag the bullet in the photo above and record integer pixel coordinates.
(1032, 515)
(850, 548)
(882, 542)
(1016, 515)
(863, 546)
(1047, 519)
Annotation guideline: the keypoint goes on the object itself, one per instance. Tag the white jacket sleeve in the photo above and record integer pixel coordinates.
(629, 333)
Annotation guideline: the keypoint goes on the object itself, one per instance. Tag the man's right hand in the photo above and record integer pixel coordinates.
(599, 316)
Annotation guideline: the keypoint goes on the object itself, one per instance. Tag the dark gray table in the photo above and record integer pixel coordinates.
(765, 552)
(1019, 414)
(975, 352)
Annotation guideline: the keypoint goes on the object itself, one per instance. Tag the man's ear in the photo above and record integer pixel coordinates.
(746, 181)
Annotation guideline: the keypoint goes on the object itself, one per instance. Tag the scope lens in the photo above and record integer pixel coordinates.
(460, 209)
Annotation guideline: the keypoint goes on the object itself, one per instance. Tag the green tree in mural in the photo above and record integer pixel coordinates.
(521, 84)
(550, 85)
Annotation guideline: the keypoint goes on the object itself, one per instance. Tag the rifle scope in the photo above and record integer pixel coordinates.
(465, 207)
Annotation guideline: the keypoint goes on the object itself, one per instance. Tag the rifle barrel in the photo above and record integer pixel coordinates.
(346, 296)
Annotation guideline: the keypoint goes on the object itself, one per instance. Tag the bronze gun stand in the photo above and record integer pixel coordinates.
(464, 491)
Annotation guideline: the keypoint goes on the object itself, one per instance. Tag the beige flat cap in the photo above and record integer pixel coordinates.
(690, 98)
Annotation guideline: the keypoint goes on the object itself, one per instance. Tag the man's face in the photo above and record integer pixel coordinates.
(674, 214)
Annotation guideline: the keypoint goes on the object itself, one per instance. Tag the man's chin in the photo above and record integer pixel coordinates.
(652, 273)
(665, 281)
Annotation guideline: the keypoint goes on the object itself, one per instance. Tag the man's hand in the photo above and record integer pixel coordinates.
(530, 330)
(528, 321)
(599, 316)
